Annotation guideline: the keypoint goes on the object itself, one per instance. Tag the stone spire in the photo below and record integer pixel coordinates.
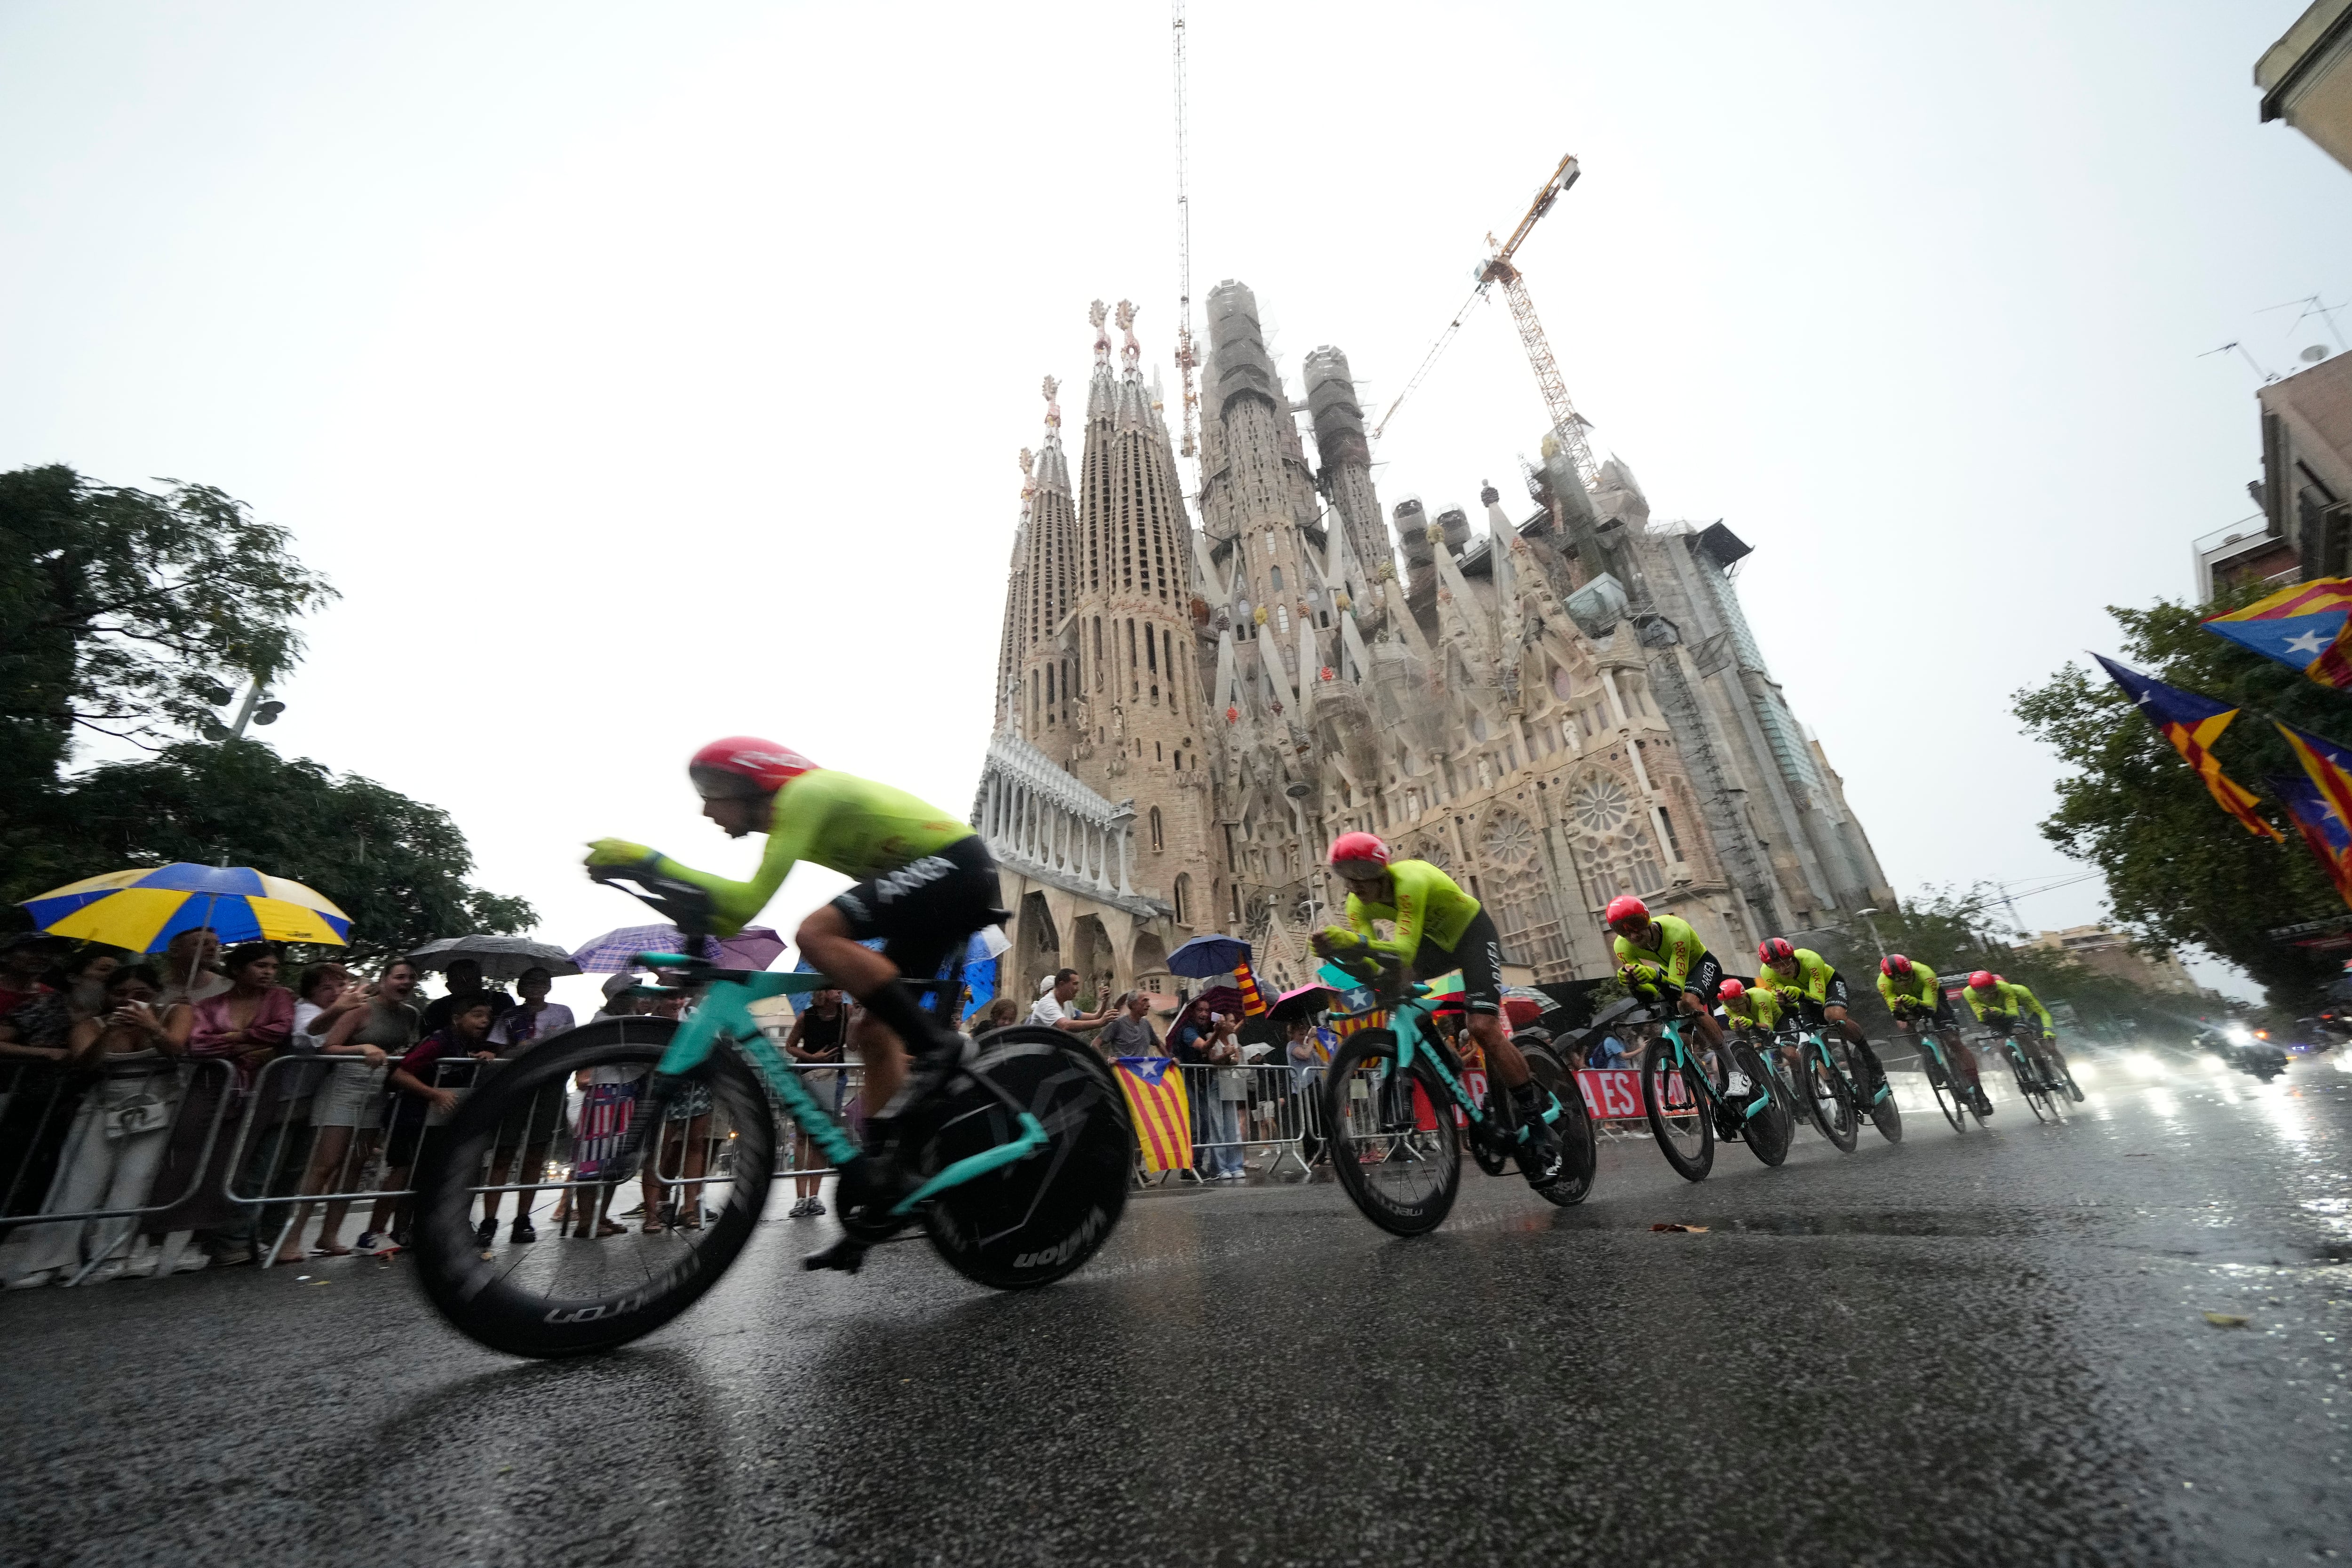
(1034, 678)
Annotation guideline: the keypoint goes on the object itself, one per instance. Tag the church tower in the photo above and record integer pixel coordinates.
(1034, 676)
(1136, 724)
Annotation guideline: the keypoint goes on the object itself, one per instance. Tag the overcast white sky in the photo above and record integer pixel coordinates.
(643, 375)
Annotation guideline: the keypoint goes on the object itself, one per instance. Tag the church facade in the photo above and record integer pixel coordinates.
(1556, 708)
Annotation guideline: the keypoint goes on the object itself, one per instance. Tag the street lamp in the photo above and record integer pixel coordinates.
(1872, 926)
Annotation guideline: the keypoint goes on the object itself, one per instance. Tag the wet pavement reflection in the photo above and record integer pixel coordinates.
(2116, 1339)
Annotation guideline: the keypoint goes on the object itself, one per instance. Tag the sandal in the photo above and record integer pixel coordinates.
(606, 1228)
(338, 1251)
(651, 1227)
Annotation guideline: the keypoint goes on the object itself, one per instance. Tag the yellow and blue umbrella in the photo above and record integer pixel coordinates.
(144, 908)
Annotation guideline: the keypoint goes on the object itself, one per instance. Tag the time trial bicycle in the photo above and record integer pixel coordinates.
(1688, 1110)
(1020, 1163)
(1399, 1107)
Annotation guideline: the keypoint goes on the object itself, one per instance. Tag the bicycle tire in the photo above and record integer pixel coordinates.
(1385, 1132)
(1884, 1113)
(1659, 1074)
(1829, 1102)
(1030, 1223)
(2066, 1078)
(1579, 1144)
(1770, 1131)
(2029, 1087)
(571, 1316)
(1947, 1090)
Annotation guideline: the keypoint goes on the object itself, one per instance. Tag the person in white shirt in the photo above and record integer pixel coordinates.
(1056, 1006)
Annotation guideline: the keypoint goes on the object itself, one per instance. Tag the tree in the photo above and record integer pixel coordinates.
(395, 866)
(130, 614)
(2178, 870)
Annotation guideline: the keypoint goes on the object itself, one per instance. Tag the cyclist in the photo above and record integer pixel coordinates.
(925, 882)
(1656, 954)
(1756, 1013)
(1911, 992)
(1817, 993)
(2001, 1005)
(1441, 927)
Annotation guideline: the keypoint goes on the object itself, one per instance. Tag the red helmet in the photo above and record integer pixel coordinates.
(1623, 908)
(1359, 848)
(1730, 989)
(1983, 980)
(1775, 950)
(745, 766)
(1895, 966)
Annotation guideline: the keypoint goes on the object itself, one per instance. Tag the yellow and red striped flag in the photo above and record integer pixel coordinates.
(2193, 723)
(1163, 1117)
(1252, 1000)
(2328, 764)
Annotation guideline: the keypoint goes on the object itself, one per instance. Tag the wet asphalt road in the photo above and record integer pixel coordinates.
(1979, 1348)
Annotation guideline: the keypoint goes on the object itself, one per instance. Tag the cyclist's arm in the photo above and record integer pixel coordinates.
(1412, 911)
(2026, 1000)
(732, 904)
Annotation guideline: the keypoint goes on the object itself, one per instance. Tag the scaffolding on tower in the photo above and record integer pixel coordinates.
(1184, 356)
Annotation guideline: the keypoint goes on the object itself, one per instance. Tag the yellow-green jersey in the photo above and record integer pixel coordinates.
(1429, 907)
(1811, 982)
(1756, 1009)
(1676, 959)
(2009, 998)
(1920, 991)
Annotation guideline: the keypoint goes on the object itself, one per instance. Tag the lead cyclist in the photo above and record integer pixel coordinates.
(924, 883)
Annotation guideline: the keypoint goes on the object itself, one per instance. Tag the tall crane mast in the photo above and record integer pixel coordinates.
(1568, 424)
(1184, 356)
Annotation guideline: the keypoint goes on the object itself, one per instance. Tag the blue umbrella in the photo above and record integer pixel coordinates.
(1207, 955)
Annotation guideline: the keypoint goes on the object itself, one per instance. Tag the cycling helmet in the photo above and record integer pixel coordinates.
(1775, 950)
(1895, 966)
(744, 765)
(1624, 908)
(1359, 848)
(1730, 991)
(1983, 980)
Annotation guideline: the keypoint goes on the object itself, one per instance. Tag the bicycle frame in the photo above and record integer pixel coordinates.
(1406, 1014)
(725, 1012)
(1686, 1064)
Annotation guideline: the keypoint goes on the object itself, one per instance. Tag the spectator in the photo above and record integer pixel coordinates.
(347, 1111)
(37, 1040)
(465, 977)
(531, 1127)
(192, 967)
(604, 1120)
(421, 1099)
(1130, 1034)
(1057, 1007)
(325, 992)
(1308, 1050)
(819, 1038)
(118, 1136)
(24, 959)
(1204, 1042)
(1001, 1014)
(241, 1028)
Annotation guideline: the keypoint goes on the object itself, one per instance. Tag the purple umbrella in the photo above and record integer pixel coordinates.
(615, 952)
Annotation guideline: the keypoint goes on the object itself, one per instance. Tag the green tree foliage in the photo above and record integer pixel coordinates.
(133, 615)
(2179, 870)
(396, 866)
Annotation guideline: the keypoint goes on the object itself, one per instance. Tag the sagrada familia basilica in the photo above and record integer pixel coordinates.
(1557, 707)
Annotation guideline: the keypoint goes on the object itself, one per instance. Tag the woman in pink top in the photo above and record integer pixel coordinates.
(245, 1027)
(249, 1022)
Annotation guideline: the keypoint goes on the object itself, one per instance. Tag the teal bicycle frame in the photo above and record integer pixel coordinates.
(1810, 1042)
(1406, 1016)
(1686, 1066)
(725, 1011)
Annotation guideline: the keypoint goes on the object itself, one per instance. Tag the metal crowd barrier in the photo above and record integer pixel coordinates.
(69, 1141)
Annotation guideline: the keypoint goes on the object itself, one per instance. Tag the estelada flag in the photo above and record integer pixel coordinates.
(1253, 999)
(2302, 627)
(2193, 723)
(2327, 765)
(1163, 1117)
(2323, 829)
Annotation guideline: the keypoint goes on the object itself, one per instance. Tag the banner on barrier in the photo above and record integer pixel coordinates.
(1611, 1094)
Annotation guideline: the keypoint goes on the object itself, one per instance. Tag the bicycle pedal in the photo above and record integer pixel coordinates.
(848, 1255)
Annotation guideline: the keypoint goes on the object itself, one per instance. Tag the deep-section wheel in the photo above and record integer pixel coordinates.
(560, 1298)
(1579, 1144)
(1678, 1111)
(1394, 1142)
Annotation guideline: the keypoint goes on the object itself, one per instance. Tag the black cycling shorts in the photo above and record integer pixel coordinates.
(1816, 1013)
(927, 909)
(1478, 955)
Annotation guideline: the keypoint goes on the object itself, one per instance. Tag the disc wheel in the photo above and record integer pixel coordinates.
(1769, 1133)
(564, 1297)
(1402, 1175)
(1679, 1111)
(1029, 1223)
(1828, 1099)
(1579, 1144)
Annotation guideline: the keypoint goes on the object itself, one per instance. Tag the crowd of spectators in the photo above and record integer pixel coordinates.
(223, 1113)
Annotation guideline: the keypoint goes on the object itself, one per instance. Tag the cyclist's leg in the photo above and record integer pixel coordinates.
(1480, 956)
(1697, 1002)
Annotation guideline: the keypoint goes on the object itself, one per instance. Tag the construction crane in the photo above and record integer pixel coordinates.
(1568, 424)
(1184, 357)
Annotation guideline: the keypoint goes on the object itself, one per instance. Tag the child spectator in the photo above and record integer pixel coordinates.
(419, 1098)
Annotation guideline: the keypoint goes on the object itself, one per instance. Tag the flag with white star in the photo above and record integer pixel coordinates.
(2329, 768)
(2324, 832)
(2193, 723)
(2302, 627)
